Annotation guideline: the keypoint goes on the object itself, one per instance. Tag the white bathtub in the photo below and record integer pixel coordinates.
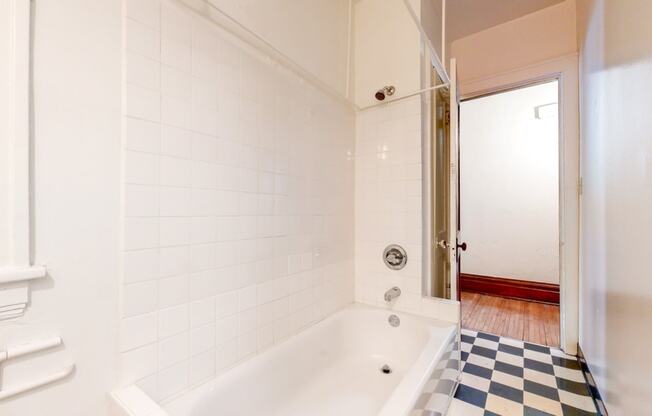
(333, 368)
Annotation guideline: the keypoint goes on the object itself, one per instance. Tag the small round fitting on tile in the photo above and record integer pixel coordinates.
(395, 257)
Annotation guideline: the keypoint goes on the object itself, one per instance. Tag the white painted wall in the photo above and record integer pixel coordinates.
(5, 69)
(616, 291)
(509, 185)
(385, 49)
(76, 197)
(536, 37)
(431, 14)
(313, 33)
(238, 201)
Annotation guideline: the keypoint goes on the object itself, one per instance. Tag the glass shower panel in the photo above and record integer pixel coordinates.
(440, 283)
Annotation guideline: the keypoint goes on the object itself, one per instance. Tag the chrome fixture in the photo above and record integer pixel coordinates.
(394, 320)
(386, 369)
(392, 294)
(395, 257)
(387, 90)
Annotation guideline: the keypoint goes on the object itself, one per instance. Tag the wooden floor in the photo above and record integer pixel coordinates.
(527, 321)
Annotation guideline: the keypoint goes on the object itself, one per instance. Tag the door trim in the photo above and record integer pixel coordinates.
(565, 70)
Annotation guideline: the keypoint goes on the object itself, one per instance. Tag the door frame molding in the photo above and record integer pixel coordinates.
(565, 69)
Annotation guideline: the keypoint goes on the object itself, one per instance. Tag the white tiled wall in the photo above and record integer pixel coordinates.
(238, 201)
(388, 209)
(388, 201)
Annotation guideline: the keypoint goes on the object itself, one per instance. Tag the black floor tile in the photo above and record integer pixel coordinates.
(573, 386)
(509, 369)
(510, 349)
(541, 390)
(476, 370)
(573, 411)
(506, 392)
(528, 411)
(471, 395)
(536, 347)
(564, 362)
(468, 339)
(539, 366)
(490, 337)
(484, 352)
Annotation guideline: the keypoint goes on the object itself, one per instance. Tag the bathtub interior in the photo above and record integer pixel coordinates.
(329, 367)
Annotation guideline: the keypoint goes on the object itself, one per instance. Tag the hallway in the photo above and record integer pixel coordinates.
(522, 320)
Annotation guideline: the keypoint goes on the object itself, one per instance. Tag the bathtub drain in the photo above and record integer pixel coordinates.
(385, 369)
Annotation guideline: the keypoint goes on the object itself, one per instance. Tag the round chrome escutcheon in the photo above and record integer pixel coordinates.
(395, 257)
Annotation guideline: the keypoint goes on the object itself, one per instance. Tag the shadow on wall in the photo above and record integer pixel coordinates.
(632, 353)
(616, 20)
(616, 291)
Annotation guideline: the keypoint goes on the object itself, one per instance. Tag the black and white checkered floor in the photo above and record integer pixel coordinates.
(502, 376)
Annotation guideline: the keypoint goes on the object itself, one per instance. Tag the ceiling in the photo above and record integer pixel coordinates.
(465, 17)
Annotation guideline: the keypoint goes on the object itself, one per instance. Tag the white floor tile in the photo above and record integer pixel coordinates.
(460, 408)
(507, 379)
(542, 403)
(476, 382)
(575, 400)
(509, 358)
(503, 406)
(568, 374)
(539, 377)
(538, 356)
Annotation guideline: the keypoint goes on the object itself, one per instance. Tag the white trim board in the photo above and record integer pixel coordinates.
(19, 268)
(565, 69)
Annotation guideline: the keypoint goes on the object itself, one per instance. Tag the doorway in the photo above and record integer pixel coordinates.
(509, 212)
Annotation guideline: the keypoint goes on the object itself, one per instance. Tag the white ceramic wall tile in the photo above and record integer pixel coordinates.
(174, 231)
(173, 379)
(202, 312)
(176, 142)
(142, 39)
(143, 72)
(140, 265)
(172, 291)
(202, 339)
(172, 321)
(173, 350)
(141, 201)
(139, 298)
(138, 331)
(140, 233)
(147, 12)
(139, 363)
(388, 156)
(238, 201)
(143, 103)
(202, 367)
(142, 135)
